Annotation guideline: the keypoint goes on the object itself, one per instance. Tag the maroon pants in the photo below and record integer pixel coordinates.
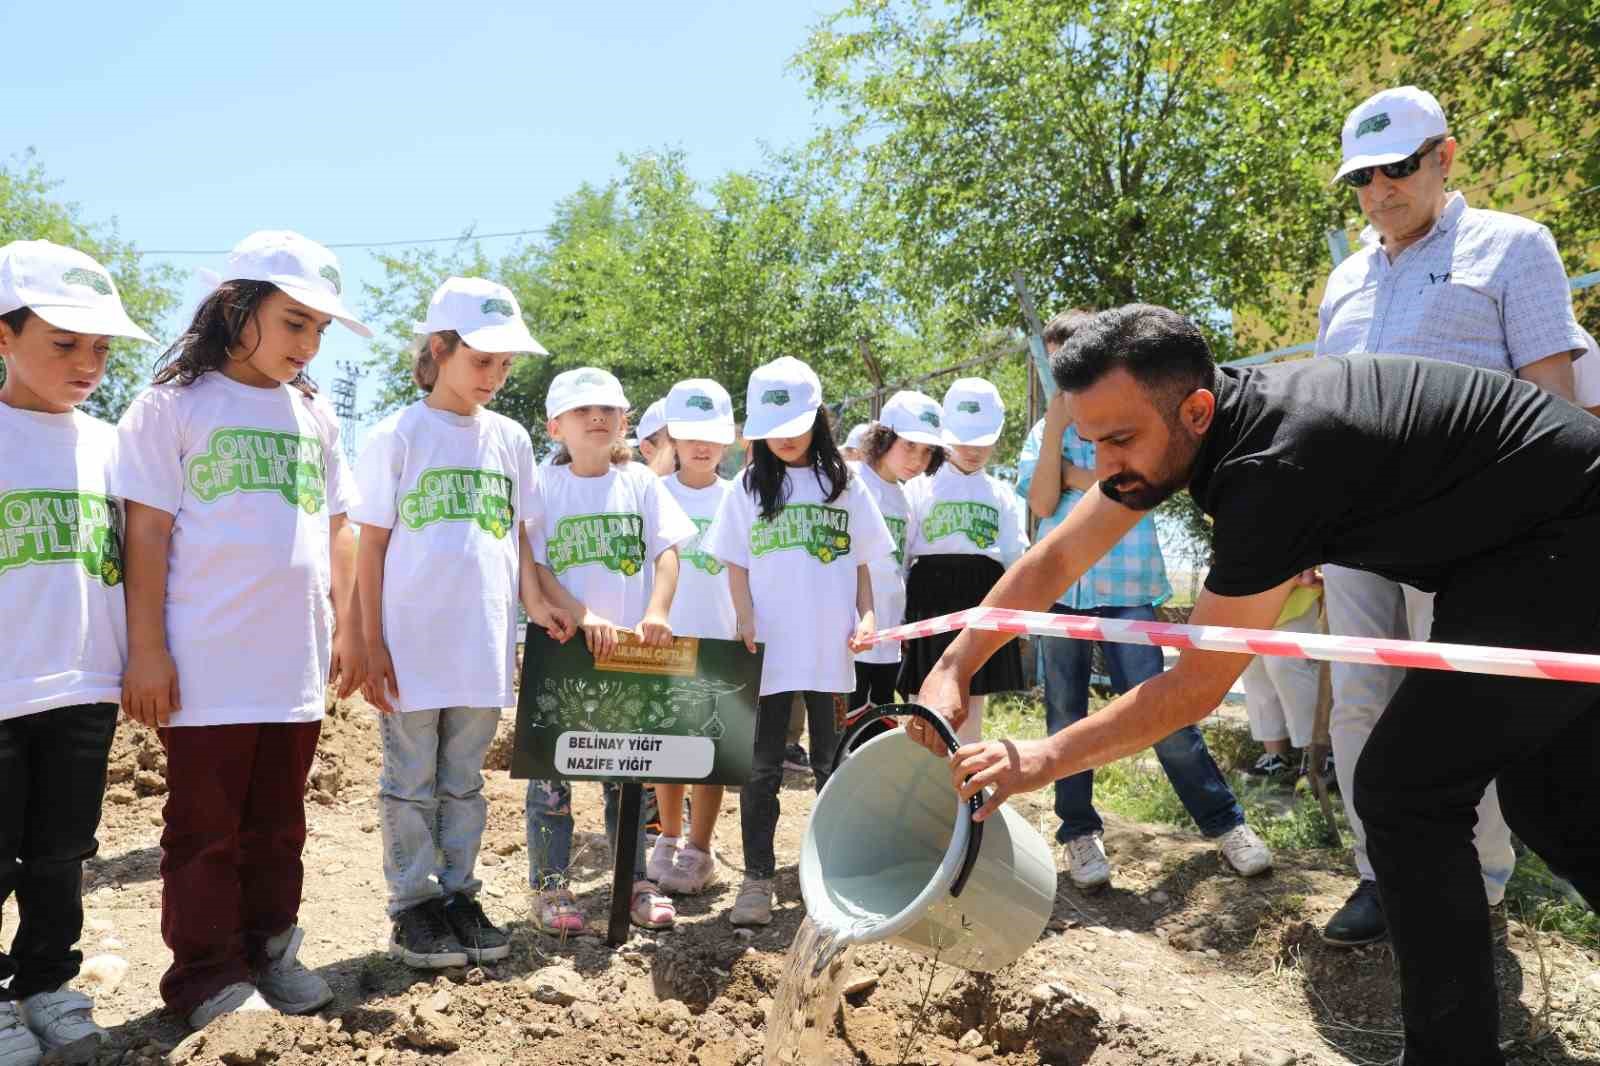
(230, 852)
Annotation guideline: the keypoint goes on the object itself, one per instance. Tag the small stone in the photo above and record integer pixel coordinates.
(432, 1031)
(490, 859)
(119, 796)
(585, 1015)
(1013, 1030)
(860, 984)
(744, 934)
(558, 985)
(105, 971)
(970, 1039)
(440, 1001)
(1160, 898)
(1042, 994)
(1213, 953)
(1265, 1057)
(149, 783)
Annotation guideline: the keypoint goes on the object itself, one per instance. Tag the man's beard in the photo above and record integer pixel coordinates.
(1138, 493)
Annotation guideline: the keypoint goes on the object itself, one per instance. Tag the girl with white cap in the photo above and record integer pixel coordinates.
(799, 527)
(655, 445)
(61, 670)
(698, 426)
(609, 534)
(240, 596)
(903, 443)
(965, 529)
(448, 490)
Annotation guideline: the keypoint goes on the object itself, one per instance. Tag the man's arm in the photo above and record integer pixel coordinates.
(1553, 374)
(1130, 723)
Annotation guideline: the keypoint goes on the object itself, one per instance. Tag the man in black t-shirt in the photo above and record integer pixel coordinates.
(1459, 481)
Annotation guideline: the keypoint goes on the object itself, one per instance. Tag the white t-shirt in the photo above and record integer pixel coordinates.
(802, 568)
(453, 490)
(250, 477)
(1586, 376)
(60, 563)
(953, 513)
(889, 573)
(600, 536)
(703, 606)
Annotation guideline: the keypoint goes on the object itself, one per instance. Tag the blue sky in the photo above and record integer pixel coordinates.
(193, 124)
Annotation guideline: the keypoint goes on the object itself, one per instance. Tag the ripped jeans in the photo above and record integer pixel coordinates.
(549, 815)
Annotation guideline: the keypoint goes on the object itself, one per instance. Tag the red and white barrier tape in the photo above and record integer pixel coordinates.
(1462, 658)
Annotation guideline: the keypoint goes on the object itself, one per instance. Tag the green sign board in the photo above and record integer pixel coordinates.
(685, 713)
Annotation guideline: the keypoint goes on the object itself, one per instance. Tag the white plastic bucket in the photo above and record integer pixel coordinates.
(891, 853)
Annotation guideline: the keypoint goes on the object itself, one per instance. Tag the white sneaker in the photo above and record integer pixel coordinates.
(285, 983)
(1087, 864)
(693, 871)
(237, 997)
(753, 905)
(1245, 852)
(63, 1021)
(18, 1046)
(658, 867)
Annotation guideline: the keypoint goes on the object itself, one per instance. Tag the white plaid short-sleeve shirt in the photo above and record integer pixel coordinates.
(1482, 288)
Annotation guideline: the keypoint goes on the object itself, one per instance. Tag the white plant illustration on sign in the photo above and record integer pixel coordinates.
(596, 706)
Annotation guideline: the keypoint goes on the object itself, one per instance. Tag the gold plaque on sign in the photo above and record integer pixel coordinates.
(677, 659)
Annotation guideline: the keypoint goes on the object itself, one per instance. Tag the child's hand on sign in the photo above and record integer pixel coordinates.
(654, 631)
(600, 635)
(747, 632)
(555, 621)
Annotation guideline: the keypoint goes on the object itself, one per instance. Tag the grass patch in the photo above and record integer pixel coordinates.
(1548, 904)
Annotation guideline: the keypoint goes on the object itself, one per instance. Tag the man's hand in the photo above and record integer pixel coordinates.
(654, 631)
(150, 688)
(599, 634)
(380, 678)
(945, 694)
(1007, 766)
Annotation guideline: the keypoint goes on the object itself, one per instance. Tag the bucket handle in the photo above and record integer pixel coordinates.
(913, 710)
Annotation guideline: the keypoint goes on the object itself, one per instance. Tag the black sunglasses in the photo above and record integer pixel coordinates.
(1361, 177)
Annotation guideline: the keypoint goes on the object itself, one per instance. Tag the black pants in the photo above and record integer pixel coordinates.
(1442, 739)
(52, 781)
(758, 799)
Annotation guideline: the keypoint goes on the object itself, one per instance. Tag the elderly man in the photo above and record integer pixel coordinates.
(1462, 481)
(1434, 278)
(1054, 470)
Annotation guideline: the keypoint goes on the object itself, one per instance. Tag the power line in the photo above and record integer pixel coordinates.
(363, 244)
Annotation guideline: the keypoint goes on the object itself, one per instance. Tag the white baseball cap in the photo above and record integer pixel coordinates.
(653, 419)
(973, 413)
(584, 387)
(1389, 126)
(64, 287)
(299, 266)
(914, 416)
(781, 399)
(857, 434)
(484, 313)
(699, 409)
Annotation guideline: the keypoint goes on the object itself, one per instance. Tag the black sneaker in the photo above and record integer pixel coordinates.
(795, 758)
(477, 934)
(422, 938)
(1272, 768)
(1360, 920)
(1330, 781)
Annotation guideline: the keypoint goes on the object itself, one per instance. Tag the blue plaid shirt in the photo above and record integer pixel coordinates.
(1132, 573)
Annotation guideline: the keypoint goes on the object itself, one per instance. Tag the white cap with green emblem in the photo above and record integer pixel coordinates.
(66, 288)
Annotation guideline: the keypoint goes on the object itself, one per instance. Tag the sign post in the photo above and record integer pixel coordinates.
(681, 714)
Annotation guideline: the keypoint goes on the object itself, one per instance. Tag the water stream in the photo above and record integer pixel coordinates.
(814, 973)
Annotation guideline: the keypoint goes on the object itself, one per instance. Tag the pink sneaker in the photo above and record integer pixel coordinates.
(649, 908)
(692, 872)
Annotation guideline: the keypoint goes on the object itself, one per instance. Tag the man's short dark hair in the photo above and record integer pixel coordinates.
(1063, 325)
(1164, 351)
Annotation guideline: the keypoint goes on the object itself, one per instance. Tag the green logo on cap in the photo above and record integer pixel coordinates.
(699, 402)
(589, 377)
(333, 276)
(775, 397)
(930, 417)
(968, 407)
(84, 276)
(1373, 124)
(498, 306)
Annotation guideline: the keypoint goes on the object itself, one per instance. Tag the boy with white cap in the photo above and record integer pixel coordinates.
(1438, 279)
(60, 674)
(698, 416)
(448, 490)
(237, 545)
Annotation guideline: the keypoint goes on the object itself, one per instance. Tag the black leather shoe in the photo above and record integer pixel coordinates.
(1360, 920)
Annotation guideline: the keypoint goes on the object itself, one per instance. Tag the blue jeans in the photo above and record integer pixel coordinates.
(548, 810)
(1200, 786)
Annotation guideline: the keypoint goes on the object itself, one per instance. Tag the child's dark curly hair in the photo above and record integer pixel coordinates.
(217, 326)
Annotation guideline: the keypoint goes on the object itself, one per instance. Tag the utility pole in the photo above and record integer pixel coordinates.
(344, 404)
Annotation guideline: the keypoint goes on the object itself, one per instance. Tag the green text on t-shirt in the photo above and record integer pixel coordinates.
(694, 555)
(260, 460)
(49, 526)
(978, 522)
(897, 530)
(614, 540)
(822, 532)
(460, 494)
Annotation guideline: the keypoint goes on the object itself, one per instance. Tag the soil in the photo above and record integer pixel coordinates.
(1179, 962)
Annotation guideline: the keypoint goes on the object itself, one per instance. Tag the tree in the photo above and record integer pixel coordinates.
(29, 212)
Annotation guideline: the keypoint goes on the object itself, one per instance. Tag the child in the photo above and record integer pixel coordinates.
(655, 447)
(699, 428)
(61, 666)
(965, 531)
(904, 442)
(1280, 693)
(241, 573)
(446, 488)
(852, 442)
(609, 582)
(798, 538)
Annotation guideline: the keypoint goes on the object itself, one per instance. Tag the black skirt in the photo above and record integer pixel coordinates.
(939, 584)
